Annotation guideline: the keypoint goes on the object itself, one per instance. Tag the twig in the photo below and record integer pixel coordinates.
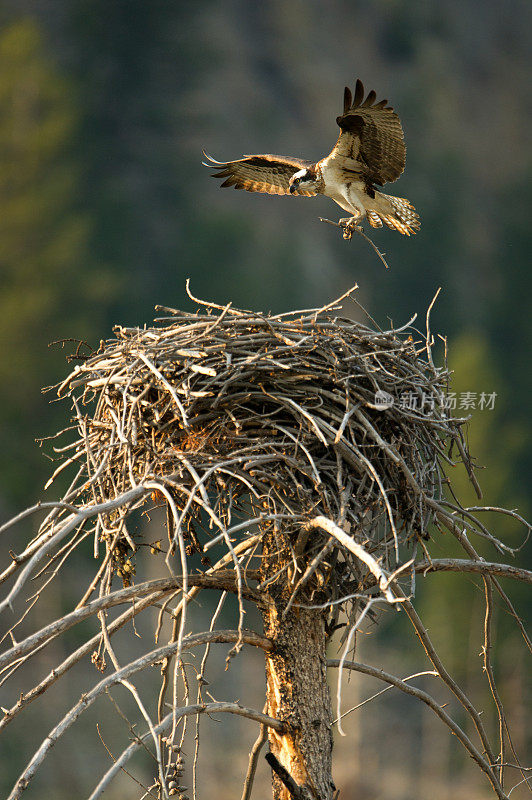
(123, 674)
(383, 691)
(254, 759)
(356, 229)
(445, 676)
(160, 586)
(74, 658)
(357, 550)
(204, 708)
(64, 530)
(347, 648)
(438, 710)
(482, 567)
(286, 779)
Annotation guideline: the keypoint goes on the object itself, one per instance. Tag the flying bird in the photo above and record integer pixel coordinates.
(370, 152)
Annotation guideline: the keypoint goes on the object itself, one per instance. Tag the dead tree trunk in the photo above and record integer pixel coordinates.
(296, 679)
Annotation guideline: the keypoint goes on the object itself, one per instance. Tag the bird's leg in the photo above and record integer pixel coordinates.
(354, 228)
(350, 225)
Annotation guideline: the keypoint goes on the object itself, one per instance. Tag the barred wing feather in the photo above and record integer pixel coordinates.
(259, 173)
(372, 135)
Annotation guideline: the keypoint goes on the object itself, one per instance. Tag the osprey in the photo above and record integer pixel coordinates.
(370, 152)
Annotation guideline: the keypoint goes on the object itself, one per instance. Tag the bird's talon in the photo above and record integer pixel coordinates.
(349, 225)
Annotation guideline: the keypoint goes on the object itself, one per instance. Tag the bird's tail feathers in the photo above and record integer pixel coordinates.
(395, 212)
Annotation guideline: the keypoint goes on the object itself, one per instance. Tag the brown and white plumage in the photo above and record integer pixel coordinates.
(372, 135)
(265, 173)
(370, 151)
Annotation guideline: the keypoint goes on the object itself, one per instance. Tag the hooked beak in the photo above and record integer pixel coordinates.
(293, 188)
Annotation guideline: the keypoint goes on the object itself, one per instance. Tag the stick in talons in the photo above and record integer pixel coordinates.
(348, 231)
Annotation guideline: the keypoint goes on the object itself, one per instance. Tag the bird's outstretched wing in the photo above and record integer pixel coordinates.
(263, 173)
(372, 136)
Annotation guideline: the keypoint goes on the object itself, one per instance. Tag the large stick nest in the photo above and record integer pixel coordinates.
(242, 415)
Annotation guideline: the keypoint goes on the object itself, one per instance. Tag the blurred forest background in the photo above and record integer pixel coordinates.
(105, 210)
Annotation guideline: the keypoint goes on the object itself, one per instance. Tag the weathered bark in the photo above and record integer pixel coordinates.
(297, 691)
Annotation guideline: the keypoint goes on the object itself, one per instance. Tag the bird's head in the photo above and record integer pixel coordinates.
(302, 181)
